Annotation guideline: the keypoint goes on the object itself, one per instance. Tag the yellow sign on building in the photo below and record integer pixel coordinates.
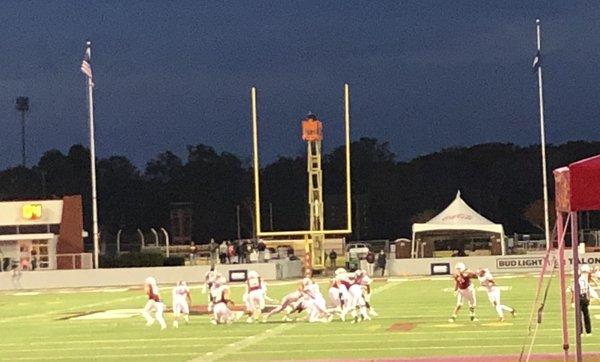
(31, 211)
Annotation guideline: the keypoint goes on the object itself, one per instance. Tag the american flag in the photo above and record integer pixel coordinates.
(86, 64)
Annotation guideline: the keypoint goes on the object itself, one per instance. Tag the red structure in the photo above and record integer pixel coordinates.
(577, 189)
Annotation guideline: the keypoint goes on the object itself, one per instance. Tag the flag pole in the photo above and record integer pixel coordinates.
(543, 138)
(90, 98)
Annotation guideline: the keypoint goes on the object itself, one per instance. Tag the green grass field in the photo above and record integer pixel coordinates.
(37, 326)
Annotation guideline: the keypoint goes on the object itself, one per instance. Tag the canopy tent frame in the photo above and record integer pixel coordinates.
(458, 216)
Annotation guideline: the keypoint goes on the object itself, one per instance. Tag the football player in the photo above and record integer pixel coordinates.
(154, 302)
(209, 278)
(182, 300)
(254, 296)
(463, 289)
(342, 281)
(487, 281)
(288, 305)
(314, 302)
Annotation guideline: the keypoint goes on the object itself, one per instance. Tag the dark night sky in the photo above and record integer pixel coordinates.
(423, 75)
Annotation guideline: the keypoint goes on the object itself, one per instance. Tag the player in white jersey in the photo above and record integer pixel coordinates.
(254, 296)
(154, 302)
(314, 302)
(289, 304)
(182, 299)
(209, 278)
(487, 281)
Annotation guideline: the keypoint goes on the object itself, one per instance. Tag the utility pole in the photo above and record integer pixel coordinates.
(271, 215)
(22, 105)
(237, 214)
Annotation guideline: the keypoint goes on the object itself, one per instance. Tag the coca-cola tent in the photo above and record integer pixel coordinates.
(458, 220)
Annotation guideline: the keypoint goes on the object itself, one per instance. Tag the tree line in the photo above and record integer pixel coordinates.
(502, 181)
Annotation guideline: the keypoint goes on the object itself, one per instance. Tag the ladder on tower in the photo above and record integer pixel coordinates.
(315, 202)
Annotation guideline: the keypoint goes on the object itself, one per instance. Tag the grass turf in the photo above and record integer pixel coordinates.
(412, 322)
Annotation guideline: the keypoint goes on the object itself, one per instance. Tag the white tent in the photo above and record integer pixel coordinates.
(458, 216)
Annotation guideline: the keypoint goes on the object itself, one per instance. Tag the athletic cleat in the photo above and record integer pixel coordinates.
(175, 324)
(501, 319)
(452, 319)
(513, 312)
(213, 321)
(474, 319)
(373, 313)
(249, 320)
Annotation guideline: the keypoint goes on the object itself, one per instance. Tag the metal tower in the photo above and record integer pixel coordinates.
(312, 133)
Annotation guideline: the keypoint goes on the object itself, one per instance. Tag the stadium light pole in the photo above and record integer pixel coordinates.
(22, 106)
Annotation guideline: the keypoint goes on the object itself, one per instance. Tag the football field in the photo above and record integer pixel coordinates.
(104, 324)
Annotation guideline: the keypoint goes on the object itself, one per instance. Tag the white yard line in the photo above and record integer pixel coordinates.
(243, 343)
(184, 343)
(419, 348)
(211, 357)
(100, 356)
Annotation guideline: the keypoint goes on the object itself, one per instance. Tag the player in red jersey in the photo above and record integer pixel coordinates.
(154, 302)
(463, 288)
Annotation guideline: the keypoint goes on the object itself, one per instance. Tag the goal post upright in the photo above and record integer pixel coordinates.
(314, 237)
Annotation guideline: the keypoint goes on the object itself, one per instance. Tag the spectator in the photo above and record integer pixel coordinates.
(267, 255)
(240, 251)
(249, 251)
(212, 247)
(253, 256)
(230, 252)
(261, 246)
(192, 253)
(223, 252)
(33, 260)
(381, 262)
(261, 251)
(332, 258)
(370, 263)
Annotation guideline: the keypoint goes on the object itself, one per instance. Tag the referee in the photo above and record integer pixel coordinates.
(584, 297)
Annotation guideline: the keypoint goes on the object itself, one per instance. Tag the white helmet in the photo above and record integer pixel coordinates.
(339, 271)
(150, 281)
(460, 266)
(585, 268)
(252, 274)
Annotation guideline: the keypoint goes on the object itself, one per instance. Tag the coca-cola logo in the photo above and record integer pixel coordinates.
(457, 217)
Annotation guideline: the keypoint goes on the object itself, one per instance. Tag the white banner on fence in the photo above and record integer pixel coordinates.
(496, 263)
